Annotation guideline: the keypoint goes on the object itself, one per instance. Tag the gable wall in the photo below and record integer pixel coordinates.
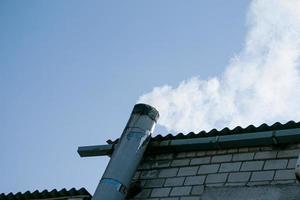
(192, 175)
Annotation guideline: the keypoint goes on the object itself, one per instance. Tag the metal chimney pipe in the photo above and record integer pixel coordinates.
(129, 152)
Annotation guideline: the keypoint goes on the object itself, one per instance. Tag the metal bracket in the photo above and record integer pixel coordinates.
(274, 138)
(116, 184)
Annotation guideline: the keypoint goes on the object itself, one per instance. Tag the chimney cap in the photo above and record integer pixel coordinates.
(144, 109)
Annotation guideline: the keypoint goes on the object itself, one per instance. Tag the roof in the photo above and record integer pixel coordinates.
(47, 194)
(225, 131)
(264, 135)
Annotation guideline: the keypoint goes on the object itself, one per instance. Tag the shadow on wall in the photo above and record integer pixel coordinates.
(249, 193)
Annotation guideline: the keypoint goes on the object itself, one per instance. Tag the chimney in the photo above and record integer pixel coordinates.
(128, 153)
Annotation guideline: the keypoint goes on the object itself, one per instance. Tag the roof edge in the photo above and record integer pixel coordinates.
(45, 194)
(263, 138)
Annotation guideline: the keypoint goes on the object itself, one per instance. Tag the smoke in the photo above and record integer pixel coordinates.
(260, 85)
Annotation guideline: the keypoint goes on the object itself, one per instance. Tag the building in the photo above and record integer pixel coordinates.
(242, 163)
(72, 194)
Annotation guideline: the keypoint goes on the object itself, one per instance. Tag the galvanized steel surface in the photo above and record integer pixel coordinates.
(127, 154)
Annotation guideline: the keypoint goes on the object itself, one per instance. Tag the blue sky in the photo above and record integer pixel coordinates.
(71, 71)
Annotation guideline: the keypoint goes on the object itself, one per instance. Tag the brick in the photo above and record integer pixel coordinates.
(212, 152)
(143, 182)
(253, 149)
(181, 162)
(216, 178)
(207, 169)
(285, 174)
(222, 151)
(292, 146)
(257, 183)
(265, 155)
(145, 165)
(190, 198)
(181, 155)
(200, 153)
(275, 164)
(262, 176)
(266, 148)
(292, 163)
(252, 165)
(194, 180)
(197, 190)
(239, 177)
(153, 183)
(214, 184)
(136, 175)
(168, 172)
(149, 157)
(230, 167)
(149, 174)
(243, 156)
(144, 193)
(169, 198)
(236, 184)
(277, 182)
(201, 160)
(168, 156)
(160, 192)
(288, 153)
(187, 171)
(232, 150)
(181, 191)
(177, 181)
(161, 164)
(243, 149)
(222, 158)
(190, 154)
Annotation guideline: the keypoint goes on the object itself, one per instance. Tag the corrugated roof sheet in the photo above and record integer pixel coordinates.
(225, 131)
(47, 194)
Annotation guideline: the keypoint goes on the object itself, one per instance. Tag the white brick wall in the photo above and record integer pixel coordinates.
(186, 175)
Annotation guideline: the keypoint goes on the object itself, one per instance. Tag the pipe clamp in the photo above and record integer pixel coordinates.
(116, 184)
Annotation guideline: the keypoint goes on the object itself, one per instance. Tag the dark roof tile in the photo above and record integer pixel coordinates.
(224, 131)
(45, 194)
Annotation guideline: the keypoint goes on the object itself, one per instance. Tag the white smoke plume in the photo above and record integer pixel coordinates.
(260, 85)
